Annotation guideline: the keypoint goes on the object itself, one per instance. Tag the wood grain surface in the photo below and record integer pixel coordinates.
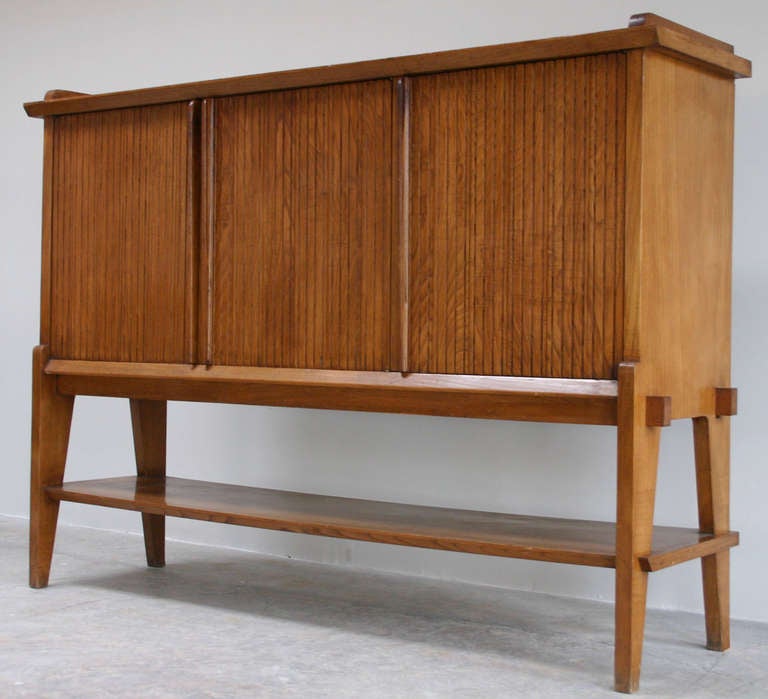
(553, 539)
(46, 251)
(512, 398)
(303, 228)
(712, 447)
(679, 232)
(120, 236)
(51, 420)
(684, 45)
(516, 258)
(650, 19)
(637, 470)
(149, 421)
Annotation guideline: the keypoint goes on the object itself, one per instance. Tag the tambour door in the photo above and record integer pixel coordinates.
(516, 219)
(121, 235)
(302, 225)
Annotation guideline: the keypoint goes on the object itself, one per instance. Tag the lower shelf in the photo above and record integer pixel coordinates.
(514, 536)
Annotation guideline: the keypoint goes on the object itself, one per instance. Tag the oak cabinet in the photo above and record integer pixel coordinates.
(533, 231)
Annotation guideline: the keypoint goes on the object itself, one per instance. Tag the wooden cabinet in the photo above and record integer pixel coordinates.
(533, 231)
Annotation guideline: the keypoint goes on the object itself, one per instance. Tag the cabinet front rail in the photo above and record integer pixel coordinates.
(581, 401)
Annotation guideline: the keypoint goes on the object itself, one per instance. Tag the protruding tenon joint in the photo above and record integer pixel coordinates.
(658, 411)
(725, 401)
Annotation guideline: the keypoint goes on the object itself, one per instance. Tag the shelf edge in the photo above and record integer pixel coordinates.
(665, 559)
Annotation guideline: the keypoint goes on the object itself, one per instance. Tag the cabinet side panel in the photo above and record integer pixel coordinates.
(685, 232)
(516, 262)
(120, 236)
(303, 228)
(45, 252)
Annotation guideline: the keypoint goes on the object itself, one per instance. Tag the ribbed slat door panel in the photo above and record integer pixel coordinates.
(302, 233)
(516, 219)
(121, 235)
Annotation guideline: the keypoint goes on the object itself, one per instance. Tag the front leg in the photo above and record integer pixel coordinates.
(637, 466)
(51, 420)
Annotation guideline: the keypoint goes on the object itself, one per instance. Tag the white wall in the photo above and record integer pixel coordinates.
(97, 46)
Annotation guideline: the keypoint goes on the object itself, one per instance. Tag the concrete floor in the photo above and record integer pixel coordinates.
(222, 623)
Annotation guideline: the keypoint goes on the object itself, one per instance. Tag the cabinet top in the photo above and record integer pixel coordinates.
(645, 31)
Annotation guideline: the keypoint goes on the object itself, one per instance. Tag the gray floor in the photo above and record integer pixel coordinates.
(220, 623)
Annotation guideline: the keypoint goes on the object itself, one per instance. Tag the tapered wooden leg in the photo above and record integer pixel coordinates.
(148, 418)
(638, 452)
(51, 419)
(711, 439)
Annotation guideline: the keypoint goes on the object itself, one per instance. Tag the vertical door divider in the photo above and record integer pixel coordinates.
(401, 246)
(207, 227)
(192, 253)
